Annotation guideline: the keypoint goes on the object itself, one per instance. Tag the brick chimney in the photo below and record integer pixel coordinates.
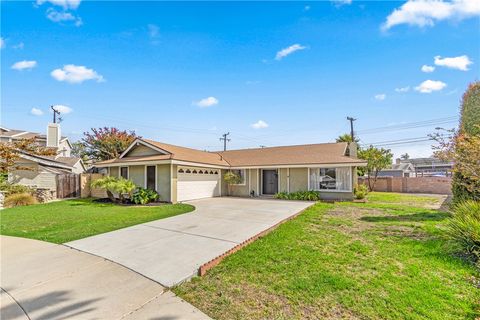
(53, 135)
(352, 149)
(397, 161)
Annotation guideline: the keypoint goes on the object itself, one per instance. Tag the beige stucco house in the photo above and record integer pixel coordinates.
(181, 174)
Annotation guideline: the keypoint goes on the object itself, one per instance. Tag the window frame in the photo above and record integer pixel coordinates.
(146, 176)
(120, 172)
(331, 190)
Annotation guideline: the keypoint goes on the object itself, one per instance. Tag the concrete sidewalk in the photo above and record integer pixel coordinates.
(49, 281)
(171, 250)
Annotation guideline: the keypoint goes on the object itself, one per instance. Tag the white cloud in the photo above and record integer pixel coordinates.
(22, 65)
(287, 51)
(76, 74)
(341, 2)
(428, 86)
(65, 4)
(36, 112)
(62, 109)
(403, 89)
(153, 30)
(428, 69)
(460, 63)
(306, 8)
(206, 102)
(380, 96)
(2, 43)
(20, 45)
(423, 13)
(260, 124)
(63, 16)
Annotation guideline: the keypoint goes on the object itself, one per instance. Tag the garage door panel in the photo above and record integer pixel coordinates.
(197, 185)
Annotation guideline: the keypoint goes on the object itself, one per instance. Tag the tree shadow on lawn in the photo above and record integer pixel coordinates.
(415, 217)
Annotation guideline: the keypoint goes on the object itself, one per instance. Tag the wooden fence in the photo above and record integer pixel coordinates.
(87, 191)
(68, 185)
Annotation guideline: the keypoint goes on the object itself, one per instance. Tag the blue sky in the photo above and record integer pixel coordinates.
(186, 72)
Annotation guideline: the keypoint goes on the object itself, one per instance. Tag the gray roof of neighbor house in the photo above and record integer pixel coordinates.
(401, 166)
(324, 153)
(22, 134)
(427, 162)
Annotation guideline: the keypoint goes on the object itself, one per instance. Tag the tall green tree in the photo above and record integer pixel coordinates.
(105, 143)
(377, 160)
(462, 146)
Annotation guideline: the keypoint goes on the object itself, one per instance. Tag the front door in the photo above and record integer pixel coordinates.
(270, 181)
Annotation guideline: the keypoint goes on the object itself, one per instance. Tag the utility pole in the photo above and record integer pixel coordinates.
(224, 139)
(351, 127)
(55, 113)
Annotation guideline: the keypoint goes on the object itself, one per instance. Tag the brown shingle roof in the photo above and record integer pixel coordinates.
(187, 154)
(323, 153)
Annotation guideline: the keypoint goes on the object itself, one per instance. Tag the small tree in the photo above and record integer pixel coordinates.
(113, 185)
(405, 156)
(105, 143)
(230, 178)
(10, 153)
(377, 160)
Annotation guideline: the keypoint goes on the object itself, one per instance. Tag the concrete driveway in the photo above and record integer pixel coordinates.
(45, 281)
(171, 250)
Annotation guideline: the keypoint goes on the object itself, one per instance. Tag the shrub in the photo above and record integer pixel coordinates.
(144, 196)
(113, 185)
(464, 227)
(360, 191)
(230, 178)
(19, 199)
(10, 188)
(299, 195)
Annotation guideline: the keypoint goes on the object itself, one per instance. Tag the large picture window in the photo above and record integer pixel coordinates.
(335, 179)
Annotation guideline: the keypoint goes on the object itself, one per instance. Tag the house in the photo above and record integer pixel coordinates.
(43, 171)
(180, 174)
(430, 166)
(398, 169)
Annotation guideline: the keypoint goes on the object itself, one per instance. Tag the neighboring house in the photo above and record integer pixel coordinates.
(430, 167)
(180, 174)
(43, 170)
(398, 169)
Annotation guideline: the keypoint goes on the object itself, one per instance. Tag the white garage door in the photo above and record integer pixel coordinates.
(197, 183)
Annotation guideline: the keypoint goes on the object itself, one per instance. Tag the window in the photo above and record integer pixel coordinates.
(181, 171)
(336, 179)
(241, 173)
(150, 178)
(124, 172)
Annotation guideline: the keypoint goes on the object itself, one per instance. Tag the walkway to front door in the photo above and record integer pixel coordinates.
(270, 182)
(171, 250)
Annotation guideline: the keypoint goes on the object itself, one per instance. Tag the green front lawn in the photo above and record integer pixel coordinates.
(69, 220)
(385, 259)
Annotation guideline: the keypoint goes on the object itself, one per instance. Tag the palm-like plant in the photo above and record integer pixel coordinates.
(113, 185)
